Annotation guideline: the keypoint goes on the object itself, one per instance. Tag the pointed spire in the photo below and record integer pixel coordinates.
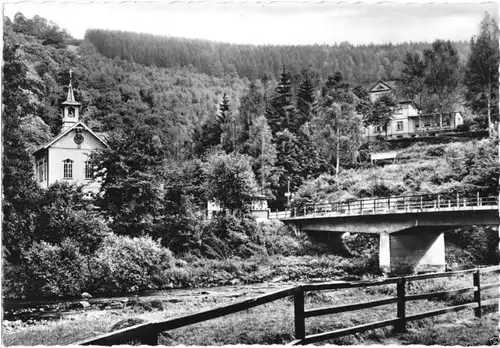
(70, 97)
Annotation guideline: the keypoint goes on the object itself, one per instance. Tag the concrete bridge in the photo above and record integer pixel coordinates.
(410, 227)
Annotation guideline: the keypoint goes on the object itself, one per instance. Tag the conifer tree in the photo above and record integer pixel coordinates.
(281, 109)
(305, 100)
(217, 130)
(227, 124)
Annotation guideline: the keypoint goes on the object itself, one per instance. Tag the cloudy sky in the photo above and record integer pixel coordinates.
(279, 22)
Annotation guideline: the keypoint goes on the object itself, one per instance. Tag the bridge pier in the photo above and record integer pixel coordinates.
(414, 249)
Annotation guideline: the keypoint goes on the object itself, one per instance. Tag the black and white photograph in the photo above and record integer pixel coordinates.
(220, 173)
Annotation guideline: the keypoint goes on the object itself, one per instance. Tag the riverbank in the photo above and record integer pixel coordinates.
(269, 324)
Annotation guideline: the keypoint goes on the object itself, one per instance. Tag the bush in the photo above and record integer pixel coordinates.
(127, 264)
(53, 270)
(280, 240)
(228, 235)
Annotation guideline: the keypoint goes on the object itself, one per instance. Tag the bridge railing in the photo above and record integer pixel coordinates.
(371, 206)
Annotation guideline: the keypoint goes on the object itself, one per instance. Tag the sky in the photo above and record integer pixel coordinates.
(277, 22)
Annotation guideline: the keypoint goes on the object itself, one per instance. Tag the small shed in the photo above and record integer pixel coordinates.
(259, 208)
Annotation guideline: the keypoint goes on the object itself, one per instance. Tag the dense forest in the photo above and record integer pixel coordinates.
(359, 64)
(189, 121)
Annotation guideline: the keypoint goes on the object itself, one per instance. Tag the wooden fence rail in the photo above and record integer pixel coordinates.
(148, 333)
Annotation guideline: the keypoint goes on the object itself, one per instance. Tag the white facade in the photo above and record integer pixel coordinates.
(65, 158)
(259, 208)
(407, 121)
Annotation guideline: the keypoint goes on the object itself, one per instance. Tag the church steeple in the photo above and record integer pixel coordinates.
(71, 112)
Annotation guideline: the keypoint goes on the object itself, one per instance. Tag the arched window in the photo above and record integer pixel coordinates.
(68, 169)
(71, 112)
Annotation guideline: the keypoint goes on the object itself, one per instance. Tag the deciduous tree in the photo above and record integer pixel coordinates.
(481, 74)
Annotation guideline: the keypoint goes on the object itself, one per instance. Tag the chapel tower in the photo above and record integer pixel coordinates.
(71, 111)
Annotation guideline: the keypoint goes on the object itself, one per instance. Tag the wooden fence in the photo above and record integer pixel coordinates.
(148, 333)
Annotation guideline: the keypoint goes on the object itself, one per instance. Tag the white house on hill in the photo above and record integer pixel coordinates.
(65, 158)
(407, 120)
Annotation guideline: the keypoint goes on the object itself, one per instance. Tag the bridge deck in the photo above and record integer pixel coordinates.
(390, 205)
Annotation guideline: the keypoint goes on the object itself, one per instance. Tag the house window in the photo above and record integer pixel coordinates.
(68, 169)
(398, 111)
(88, 170)
(399, 126)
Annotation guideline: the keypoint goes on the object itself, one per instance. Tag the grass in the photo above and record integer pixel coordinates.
(64, 331)
(455, 330)
(273, 323)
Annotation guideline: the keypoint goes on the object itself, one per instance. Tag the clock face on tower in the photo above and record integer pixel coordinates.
(78, 139)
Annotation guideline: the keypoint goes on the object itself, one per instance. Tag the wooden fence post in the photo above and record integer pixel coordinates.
(477, 293)
(298, 301)
(401, 326)
(149, 339)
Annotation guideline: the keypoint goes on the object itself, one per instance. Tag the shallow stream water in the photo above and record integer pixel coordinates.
(54, 309)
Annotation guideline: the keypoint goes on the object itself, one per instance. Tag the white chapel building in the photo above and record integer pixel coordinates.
(65, 158)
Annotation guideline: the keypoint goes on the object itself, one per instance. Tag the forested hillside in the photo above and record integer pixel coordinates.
(180, 134)
(359, 64)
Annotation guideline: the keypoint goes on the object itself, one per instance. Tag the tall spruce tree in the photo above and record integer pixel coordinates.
(281, 109)
(227, 124)
(216, 130)
(305, 100)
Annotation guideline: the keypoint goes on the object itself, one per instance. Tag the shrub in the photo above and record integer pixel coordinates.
(127, 264)
(53, 270)
(279, 239)
(228, 235)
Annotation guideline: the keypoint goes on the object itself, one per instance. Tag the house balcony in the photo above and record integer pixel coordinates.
(432, 129)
